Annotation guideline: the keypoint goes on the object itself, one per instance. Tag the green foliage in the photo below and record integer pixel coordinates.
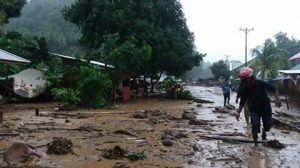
(85, 82)
(159, 24)
(126, 57)
(269, 59)
(169, 86)
(183, 94)
(220, 70)
(32, 48)
(43, 18)
(68, 96)
(291, 45)
(9, 9)
(94, 87)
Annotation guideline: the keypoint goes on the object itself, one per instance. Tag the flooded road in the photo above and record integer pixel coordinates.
(241, 154)
(94, 131)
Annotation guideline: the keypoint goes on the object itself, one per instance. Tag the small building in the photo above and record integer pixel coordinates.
(288, 83)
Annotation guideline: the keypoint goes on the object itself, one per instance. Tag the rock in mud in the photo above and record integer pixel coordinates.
(60, 146)
(175, 134)
(188, 114)
(167, 142)
(199, 105)
(274, 144)
(156, 112)
(140, 114)
(19, 152)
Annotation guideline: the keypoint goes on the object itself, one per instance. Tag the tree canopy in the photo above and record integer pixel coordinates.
(269, 59)
(220, 69)
(43, 18)
(10, 8)
(159, 24)
(291, 45)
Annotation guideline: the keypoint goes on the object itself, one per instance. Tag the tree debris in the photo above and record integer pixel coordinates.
(60, 146)
(118, 153)
(274, 144)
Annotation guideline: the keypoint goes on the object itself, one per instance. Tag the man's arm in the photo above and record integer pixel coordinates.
(273, 89)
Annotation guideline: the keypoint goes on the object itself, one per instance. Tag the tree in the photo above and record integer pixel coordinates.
(43, 18)
(220, 69)
(33, 48)
(159, 24)
(269, 59)
(10, 8)
(292, 46)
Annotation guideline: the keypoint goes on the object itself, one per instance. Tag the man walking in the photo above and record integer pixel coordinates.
(254, 92)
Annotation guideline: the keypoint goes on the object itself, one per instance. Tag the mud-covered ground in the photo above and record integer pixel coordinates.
(149, 129)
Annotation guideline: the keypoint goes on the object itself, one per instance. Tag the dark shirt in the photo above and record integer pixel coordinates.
(256, 95)
(226, 88)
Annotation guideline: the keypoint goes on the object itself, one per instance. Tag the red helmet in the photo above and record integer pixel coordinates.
(245, 72)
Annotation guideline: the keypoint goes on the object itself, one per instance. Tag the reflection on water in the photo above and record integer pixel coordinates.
(259, 158)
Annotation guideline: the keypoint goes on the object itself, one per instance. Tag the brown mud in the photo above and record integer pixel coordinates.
(150, 130)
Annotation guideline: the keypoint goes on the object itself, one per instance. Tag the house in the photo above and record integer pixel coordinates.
(288, 82)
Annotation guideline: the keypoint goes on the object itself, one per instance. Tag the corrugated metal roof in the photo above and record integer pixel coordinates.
(290, 71)
(92, 62)
(7, 57)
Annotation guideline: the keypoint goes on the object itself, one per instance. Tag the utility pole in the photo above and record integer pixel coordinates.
(227, 60)
(246, 31)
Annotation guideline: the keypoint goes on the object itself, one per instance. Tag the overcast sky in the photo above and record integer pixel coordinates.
(216, 24)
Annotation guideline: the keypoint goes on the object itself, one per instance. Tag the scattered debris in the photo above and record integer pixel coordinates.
(197, 147)
(9, 134)
(118, 153)
(198, 122)
(121, 165)
(274, 144)
(226, 159)
(221, 110)
(284, 125)
(229, 139)
(19, 152)
(173, 134)
(202, 101)
(60, 146)
(123, 132)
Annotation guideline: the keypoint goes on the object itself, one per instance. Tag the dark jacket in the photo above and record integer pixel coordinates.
(255, 93)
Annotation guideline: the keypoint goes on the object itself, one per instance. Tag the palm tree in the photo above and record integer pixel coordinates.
(269, 59)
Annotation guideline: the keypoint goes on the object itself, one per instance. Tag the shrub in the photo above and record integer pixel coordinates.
(68, 96)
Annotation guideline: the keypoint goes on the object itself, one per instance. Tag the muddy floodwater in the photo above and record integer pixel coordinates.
(150, 129)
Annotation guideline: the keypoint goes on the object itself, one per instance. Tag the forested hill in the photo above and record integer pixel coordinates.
(44, 18)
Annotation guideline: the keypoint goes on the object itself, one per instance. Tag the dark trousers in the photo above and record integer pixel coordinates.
(226, 98)
(266, 119)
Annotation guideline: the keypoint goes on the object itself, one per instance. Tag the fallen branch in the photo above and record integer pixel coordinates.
(9, 134)
(62, 129)
(285, 125)
(224, 138)
(223, 159)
